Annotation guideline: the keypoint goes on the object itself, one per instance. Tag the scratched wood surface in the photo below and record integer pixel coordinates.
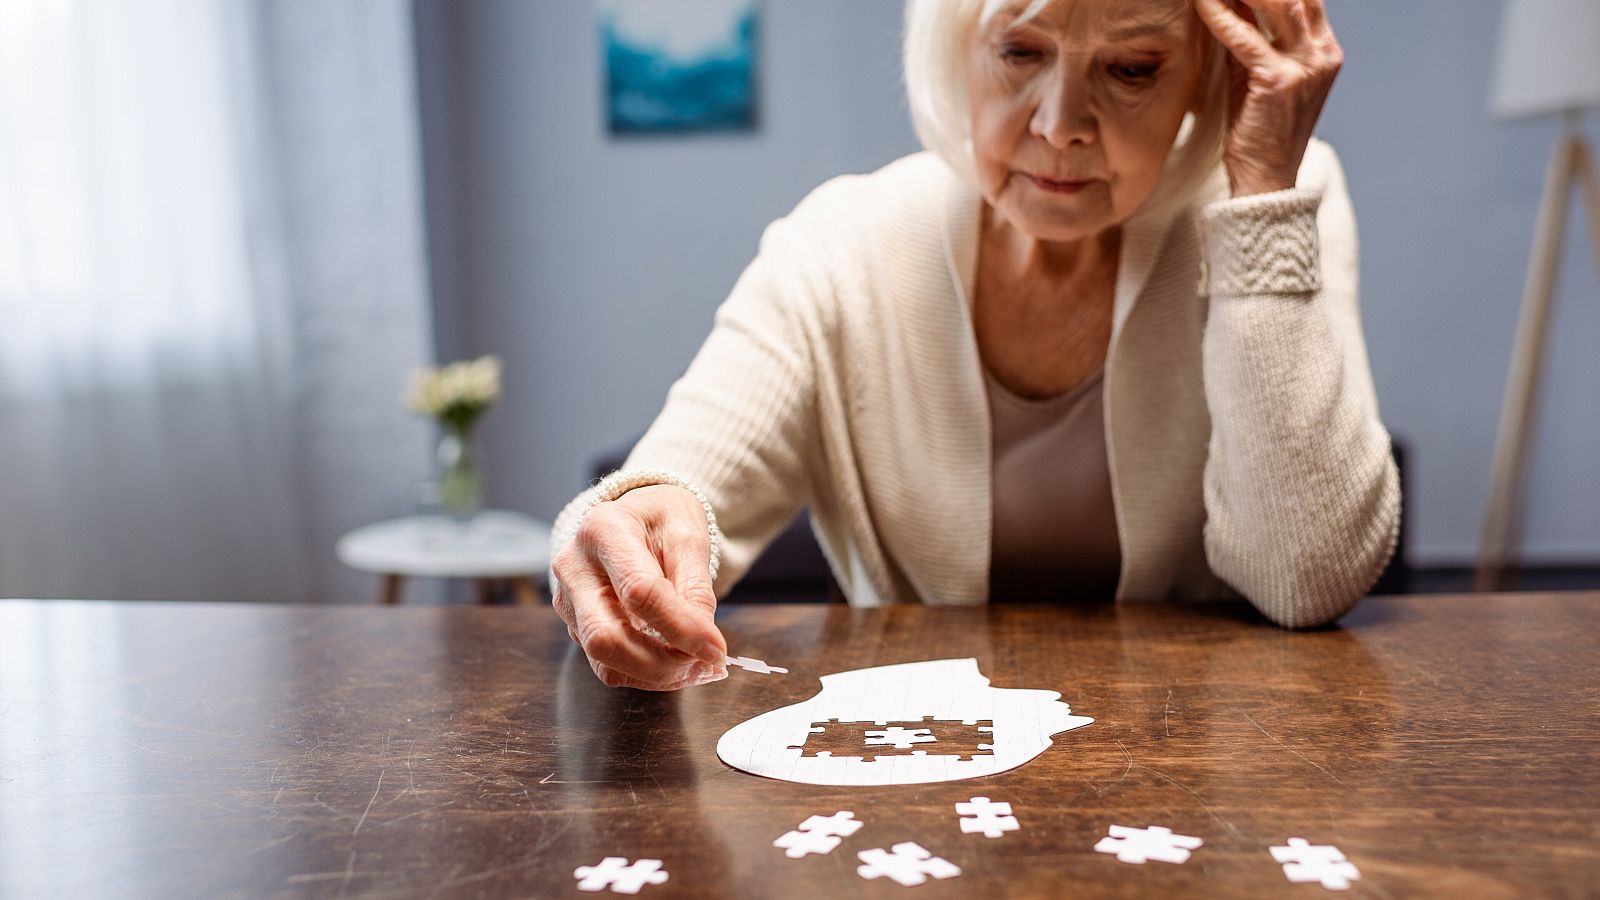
(1449, 745)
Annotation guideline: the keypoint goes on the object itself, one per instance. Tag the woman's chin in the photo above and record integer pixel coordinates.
(1058, 225)
(1056, 217)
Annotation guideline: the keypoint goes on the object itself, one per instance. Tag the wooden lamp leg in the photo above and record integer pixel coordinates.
(1502, 516)
(1588, 177)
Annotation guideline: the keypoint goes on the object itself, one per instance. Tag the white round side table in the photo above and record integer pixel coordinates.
(497, 550)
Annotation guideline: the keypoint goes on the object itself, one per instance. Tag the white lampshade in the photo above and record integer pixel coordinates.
(1549, 59)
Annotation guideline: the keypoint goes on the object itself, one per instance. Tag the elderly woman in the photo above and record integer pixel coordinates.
(1101, 338)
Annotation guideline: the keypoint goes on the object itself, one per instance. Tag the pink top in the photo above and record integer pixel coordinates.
(1055, 527)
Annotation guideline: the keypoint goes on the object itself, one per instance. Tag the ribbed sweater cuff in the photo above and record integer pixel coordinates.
(622, 481)
(1262, 244)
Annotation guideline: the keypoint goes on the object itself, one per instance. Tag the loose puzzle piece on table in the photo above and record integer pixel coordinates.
(914, 697)
(818, 834)
(1139, 845)
(753, 665)
(615, 873)
(986, 817)
(1304, 861)
(909, 864)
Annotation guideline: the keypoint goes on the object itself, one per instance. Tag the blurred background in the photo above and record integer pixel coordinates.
(231, 231)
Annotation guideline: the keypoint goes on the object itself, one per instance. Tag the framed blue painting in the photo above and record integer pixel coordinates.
(679, 65)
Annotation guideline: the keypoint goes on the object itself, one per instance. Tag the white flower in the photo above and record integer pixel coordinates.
(458, 391)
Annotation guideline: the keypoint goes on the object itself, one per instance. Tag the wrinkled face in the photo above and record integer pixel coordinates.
(1075, 110)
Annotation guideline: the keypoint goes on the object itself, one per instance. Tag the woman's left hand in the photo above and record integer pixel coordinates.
(1277, 86)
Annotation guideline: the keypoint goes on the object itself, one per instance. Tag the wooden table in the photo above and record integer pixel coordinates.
(1450, 746)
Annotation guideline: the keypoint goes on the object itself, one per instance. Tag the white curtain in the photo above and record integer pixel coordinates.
(212, 285)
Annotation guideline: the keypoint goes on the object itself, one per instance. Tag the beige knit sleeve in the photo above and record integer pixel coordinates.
(1302, 497)
(740, 423)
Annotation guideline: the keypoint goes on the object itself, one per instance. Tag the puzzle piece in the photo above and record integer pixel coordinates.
(818, 834)
(909, 864)
(615, 873)
(1304, 861)
(753, 665)
(1140, 845)
(899, 738)
(986, 817)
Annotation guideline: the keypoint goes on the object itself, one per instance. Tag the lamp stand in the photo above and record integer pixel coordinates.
(1572, 160)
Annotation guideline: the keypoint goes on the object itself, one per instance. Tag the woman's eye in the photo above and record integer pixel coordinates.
(1135, 74)
(1014, 53)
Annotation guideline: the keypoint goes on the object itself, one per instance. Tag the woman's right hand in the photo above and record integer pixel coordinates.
(642, 561)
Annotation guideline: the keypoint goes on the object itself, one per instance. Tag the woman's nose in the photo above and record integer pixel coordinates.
(1063, 116)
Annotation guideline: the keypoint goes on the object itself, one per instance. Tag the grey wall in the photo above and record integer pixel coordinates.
(594, 266)
(1446, 198)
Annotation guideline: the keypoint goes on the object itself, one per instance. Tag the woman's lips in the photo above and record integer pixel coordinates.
(1057, 187)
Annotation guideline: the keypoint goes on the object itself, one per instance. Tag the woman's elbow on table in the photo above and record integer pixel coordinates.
(1313, 572)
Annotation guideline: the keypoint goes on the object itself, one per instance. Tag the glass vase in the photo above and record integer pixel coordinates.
(460, 483)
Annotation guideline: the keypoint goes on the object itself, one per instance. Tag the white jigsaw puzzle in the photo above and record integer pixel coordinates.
(899, 738)
(615, 873)
(908, 863)
(986, 817)
(754, 665)
(1140, 845)
(1304, 861)
(1021, 724)
(818, 834)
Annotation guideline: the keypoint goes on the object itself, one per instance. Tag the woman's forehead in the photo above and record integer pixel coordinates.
(1116, 17)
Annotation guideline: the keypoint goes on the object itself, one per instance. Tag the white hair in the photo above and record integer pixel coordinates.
(936, 88)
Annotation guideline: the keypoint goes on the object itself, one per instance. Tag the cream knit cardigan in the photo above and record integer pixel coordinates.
(842, 373)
